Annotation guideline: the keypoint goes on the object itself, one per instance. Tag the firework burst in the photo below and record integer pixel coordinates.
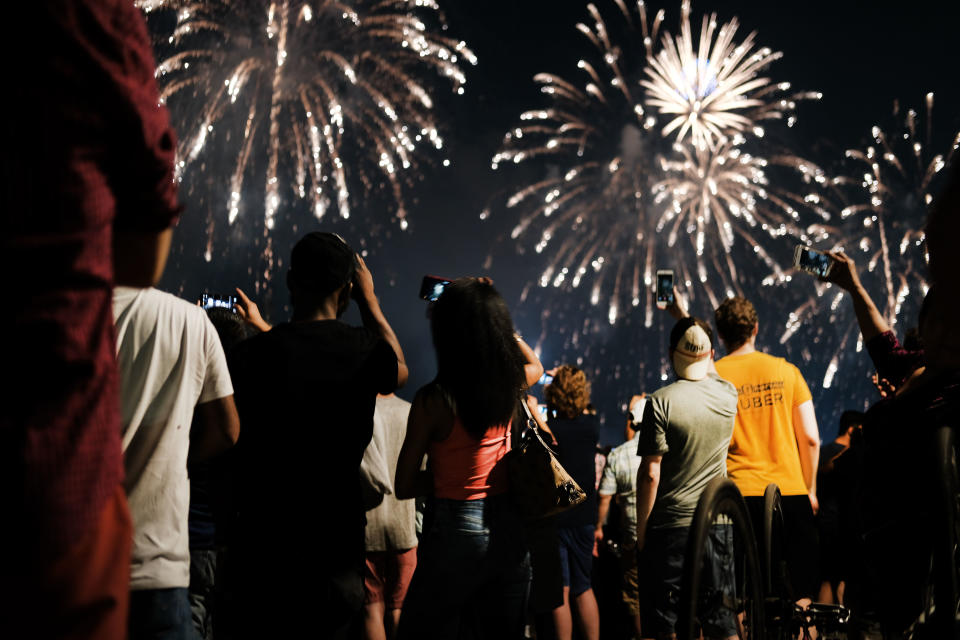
(711, 88)
(635, 166)
(726, 193)
(338, 94)
(888, 188)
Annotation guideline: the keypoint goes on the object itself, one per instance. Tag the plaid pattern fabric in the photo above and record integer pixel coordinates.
(89, 150)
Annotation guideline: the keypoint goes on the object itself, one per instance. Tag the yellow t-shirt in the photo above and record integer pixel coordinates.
(764, 447)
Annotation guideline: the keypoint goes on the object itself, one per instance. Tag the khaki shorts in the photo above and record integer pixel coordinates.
(630, 589)
(387, 576)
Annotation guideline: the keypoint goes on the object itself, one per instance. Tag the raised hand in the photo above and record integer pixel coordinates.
(248, 310)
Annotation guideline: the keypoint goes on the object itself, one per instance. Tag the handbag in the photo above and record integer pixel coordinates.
(540, 484)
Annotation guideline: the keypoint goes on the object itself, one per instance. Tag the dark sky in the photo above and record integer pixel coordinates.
(861, 55)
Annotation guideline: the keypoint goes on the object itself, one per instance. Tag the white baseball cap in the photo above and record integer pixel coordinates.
(691, 355)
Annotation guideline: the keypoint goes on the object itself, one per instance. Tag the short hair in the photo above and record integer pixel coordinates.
(320, 263)
(736, 318)
(230, 327)
(680, 328)
(850, 418)
(569, 393)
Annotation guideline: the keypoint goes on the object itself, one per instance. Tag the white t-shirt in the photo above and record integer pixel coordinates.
(169, 359)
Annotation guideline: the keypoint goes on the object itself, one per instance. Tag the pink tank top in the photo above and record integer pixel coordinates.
(465, 468)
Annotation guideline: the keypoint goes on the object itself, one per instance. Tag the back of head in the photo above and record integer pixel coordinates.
(320, 264)
(230, 327)
(850, 419)
(691, 345)
(736, 318)
(478, 360)
(569, 393)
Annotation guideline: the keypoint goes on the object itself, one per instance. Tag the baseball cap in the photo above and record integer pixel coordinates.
(321, 263)
(691, 349)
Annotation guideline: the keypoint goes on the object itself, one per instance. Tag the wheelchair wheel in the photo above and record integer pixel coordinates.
(721, 591)
(775, 574)
(945, 620)
(781, 616)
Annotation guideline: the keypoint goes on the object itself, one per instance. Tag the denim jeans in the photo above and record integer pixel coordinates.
(202, 594)
(160, 614)
(660, 566)
(472, 573)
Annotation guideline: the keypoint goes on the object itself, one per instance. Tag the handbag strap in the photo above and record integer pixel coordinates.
(532, 424)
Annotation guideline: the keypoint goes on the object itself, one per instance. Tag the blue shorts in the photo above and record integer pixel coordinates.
(660, 567)
(576, 557)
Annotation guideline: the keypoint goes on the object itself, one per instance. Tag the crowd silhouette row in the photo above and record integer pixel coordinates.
(178, 472)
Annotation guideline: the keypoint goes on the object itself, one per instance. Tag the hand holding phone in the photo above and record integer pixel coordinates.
(432, 286)
(812, 261)
(248, 310)
(844, 272)
(664, 288)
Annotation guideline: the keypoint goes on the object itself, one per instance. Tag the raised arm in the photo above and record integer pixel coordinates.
(373, 318)
(532, 368)
(844, 275)
(249, 312)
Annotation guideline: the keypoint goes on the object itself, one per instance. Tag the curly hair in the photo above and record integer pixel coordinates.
(736, 318)
(569, 393)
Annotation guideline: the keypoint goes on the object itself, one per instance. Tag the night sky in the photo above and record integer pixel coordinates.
(861, 55)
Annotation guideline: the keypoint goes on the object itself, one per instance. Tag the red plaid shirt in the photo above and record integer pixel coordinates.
(87, 149)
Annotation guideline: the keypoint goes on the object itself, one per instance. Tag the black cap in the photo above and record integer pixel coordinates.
(321, 263)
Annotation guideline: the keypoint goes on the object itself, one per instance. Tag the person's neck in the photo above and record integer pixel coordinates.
(744, 349)
(326, 311)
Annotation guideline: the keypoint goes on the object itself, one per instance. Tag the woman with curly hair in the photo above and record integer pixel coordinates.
(577, 433)
(472, 568)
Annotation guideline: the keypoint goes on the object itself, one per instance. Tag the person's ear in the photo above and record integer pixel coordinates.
(756, 330)
(343, 296)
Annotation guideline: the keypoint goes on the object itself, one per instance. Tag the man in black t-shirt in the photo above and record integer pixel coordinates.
(306, 392)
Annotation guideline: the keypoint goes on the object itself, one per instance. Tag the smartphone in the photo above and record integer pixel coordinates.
(545, 379)
(664, 288)
(432, 287)
(208, 301)
(812, 261)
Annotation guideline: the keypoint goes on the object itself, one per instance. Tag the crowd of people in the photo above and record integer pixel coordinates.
(177, 473)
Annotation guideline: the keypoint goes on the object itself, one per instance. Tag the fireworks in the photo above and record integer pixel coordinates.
(724, 193)
(889, 188)
(337, 94)
(712, 89)
(648, 149)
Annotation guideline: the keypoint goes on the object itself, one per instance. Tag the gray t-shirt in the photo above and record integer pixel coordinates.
(690, 424)
(391, 525)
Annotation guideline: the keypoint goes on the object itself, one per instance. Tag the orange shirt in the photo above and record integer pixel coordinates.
(465, 468)
(764, 446)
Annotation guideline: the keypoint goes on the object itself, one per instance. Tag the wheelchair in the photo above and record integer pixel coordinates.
(749, 583)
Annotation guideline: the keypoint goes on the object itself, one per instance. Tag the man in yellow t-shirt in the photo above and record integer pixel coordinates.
(775, 438)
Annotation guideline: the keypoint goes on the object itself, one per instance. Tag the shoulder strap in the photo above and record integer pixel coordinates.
(531, 425)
